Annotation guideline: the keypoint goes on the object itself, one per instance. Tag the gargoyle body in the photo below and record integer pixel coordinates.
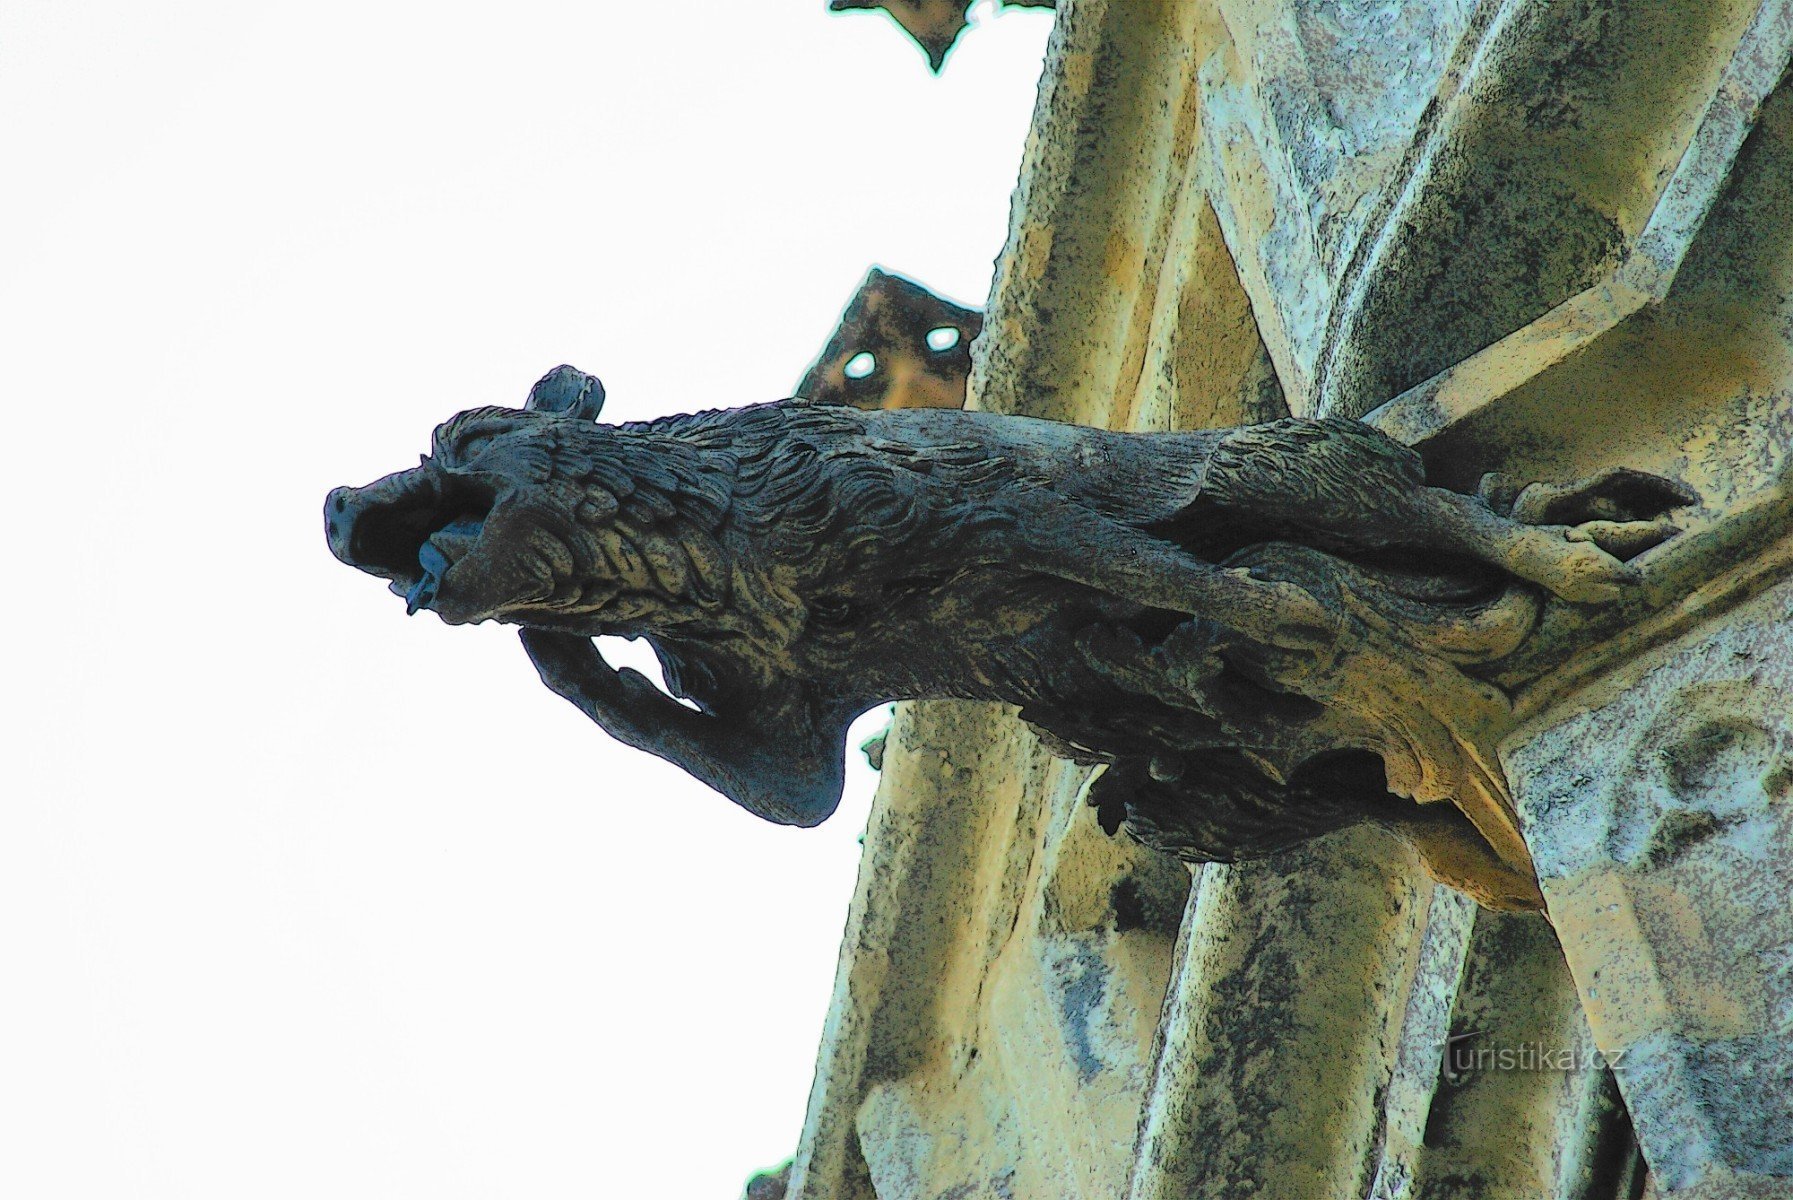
(1170, 604)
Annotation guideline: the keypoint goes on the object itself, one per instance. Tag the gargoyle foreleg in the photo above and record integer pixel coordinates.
(1128, 563)
(780, 764)
(1566, 560)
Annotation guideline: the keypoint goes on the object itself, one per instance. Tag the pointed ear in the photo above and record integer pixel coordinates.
(567, 390)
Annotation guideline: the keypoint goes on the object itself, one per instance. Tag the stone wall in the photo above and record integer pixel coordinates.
(1526, 236)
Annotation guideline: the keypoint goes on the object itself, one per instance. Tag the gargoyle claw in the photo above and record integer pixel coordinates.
(1624, 540)
(1578, 570)
(1620, 494)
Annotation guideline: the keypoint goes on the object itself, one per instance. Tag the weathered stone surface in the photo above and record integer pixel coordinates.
(769, 1185)
(1000, 979)
(1529, 238)
(1317, 940)
(1509, 1099)
(1519, 202)
(1325, 948)
(1657, 803)
(1679, 316)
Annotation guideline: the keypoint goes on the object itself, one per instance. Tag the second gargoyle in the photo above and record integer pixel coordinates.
(1197, 611)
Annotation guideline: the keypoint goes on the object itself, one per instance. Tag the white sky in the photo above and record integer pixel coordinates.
(300, 898)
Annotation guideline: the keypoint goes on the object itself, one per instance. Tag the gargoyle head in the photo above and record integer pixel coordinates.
(491, 524)
(771, 536)
(465, 533)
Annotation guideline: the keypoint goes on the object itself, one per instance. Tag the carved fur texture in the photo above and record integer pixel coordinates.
(794, 565)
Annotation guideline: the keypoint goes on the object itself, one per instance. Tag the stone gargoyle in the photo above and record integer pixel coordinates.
(1264, 633)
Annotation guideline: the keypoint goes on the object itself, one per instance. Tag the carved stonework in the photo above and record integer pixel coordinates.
(1675, 839)
(897, 345)
(934, 24)
(1540, 239)
(1262, 631)
(1528, 241)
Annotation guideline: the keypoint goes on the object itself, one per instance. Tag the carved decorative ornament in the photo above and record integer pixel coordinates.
(898, 345)
(1264, 633)
(934, 24)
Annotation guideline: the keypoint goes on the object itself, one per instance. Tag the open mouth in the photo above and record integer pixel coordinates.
(409, 528)
(440, 551)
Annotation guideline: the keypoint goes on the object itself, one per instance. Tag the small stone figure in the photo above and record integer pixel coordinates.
(1243, 624)
(898, 345)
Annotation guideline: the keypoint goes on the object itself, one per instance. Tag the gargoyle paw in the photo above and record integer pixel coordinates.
(1575, 568)
(1620, 494)
(1624, 540)
(564, 661)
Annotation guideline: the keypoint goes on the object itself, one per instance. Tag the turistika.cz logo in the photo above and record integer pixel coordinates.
(1464, 1056)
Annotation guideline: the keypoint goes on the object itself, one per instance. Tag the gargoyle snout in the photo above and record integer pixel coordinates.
(339, 522)
(379, 528)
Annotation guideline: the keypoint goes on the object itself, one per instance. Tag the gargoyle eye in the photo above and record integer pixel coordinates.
(832, 612)
(463, 447)
(472, 447)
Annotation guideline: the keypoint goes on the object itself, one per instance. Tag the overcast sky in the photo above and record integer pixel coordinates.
(298, 897)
